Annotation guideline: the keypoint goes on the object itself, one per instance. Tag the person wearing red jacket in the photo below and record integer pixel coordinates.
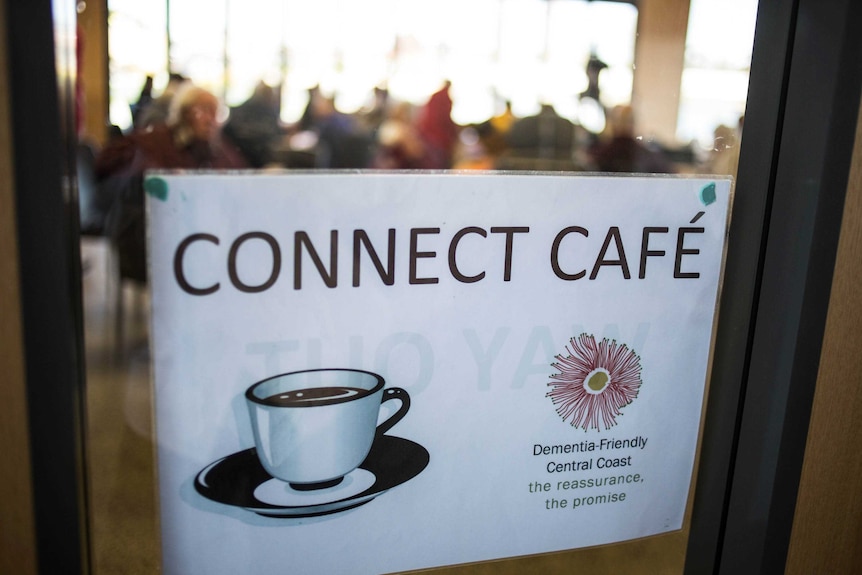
(437, 129)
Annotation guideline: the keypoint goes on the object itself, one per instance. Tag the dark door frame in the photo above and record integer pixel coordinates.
(41, 58)
(803, 103)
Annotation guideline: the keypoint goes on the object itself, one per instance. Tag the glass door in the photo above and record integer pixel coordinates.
(658, 87)
(634, 88)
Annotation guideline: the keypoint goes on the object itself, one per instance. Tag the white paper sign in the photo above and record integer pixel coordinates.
(478, 366)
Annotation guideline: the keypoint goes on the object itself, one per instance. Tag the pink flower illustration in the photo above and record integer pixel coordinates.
(595, 382)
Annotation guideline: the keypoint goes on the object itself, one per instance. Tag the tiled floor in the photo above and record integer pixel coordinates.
(120, 456)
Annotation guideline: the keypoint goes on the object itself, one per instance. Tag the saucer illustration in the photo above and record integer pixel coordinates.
(240, 480)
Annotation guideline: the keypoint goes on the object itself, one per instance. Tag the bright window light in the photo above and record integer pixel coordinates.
(528, 52)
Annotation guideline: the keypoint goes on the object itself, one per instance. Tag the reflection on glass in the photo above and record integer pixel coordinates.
(478, 84)
(715, 77)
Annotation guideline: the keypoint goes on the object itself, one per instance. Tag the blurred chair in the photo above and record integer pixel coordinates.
(92, 208)
(95, 203)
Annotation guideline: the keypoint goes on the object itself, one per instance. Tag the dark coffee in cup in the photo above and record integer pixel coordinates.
(311, 396)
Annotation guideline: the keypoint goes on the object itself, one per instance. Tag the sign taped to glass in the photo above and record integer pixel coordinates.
(401, 371)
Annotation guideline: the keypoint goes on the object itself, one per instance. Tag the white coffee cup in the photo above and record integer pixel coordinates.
(313, 427)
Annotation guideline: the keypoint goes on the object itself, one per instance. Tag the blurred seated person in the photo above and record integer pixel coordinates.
(307, 121)
(342, 141)
(373, 116)
(189, 139)
(399, 146)
(144, 100)
(545, 135)
(255, 126)
(503, 121)
(493, 132)
(544, 141)
(623, 152)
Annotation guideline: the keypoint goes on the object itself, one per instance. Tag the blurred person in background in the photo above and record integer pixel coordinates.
(144, 100)
(155, 110)
(543, 141)
(189, 139)
(494, 132)
(503, 121)
(399, 145)
(255, 126)
(592, 113)
(342, 140)
(624, 152)
(375, 114)
(544, 135)
(438, 131)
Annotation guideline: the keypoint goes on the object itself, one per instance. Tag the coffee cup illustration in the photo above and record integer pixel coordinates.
(313, 427)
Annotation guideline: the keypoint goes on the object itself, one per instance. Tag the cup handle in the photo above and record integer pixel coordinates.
(394, 393)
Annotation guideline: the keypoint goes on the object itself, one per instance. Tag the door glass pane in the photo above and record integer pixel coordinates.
(656, 87)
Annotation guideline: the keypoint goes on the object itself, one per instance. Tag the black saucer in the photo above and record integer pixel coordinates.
(233, 480)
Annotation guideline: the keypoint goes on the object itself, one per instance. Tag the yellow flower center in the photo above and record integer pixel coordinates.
(597, 381)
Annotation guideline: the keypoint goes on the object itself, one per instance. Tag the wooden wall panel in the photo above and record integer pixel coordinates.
(827, 526)
(93, 70)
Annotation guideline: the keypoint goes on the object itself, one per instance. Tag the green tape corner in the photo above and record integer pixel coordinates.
(157, 188)
(707, 194)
